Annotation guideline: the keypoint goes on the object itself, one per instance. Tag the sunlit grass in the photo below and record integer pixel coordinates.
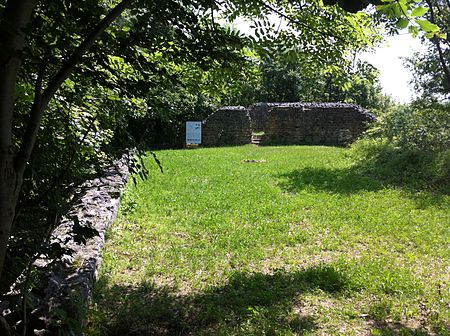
(274, 240)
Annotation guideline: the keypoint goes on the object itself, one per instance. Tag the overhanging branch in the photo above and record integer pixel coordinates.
(40, 103)
(437, 43)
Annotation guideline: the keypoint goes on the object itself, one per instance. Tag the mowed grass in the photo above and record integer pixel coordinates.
(273, 241)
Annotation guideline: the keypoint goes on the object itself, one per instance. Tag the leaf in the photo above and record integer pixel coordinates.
(413, 30)
(419, 11)
(383, 8)
(346, 86)
(399, 9)
(402, 23)
(428, 26)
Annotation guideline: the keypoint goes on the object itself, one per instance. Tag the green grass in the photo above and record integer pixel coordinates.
(274, 241)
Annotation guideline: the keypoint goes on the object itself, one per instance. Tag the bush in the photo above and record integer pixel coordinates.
(421, 125)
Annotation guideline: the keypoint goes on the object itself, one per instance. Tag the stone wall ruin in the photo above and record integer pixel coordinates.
(315, 123)
(63, 291)
(287, 124)
(228, 126)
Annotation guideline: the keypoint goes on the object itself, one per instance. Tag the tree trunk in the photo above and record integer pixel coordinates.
(8, 199)
(15, 19)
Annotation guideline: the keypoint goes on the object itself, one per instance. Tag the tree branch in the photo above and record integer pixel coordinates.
(40, 103)
(437, 43)
(443, 62)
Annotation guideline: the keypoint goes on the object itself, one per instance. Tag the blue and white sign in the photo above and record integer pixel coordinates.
(193, 132)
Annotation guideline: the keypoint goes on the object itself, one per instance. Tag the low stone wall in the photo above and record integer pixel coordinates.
(314, 123)
(67, 283)
(228, 126)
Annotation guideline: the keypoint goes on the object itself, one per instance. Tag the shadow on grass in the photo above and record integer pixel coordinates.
(380, 319)
(358, 179)
(342, 181)
(425, 176)
(248, 304)
(383, 328)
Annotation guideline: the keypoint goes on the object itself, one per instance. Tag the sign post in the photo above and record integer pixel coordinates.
(193, 133)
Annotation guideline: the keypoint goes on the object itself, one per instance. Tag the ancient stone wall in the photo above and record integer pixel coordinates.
(287, 124)
(258, 116)
(228, 126)
(65, 285)
(314, 123)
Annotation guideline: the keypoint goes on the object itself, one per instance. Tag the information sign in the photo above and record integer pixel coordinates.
(193, 132)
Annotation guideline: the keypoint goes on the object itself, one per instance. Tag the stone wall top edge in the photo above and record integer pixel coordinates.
(303, 105)
(323, 106)
(309, 104)
(232, 108)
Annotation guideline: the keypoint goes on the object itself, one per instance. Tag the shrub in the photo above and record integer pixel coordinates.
(421, 125)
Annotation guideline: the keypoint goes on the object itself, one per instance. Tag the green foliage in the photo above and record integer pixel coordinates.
(421, 125)
(410, 146)
(409, 13)
(398, 14)
(429, 79)
(301, 79)
(431, 68)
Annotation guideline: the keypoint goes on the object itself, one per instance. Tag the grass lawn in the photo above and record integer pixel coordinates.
(274, 241)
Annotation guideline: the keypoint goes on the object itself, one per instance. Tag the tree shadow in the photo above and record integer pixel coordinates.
(383, 328)
(380, 319)
(361, 178)
(412, 170)
(253, 303)
(342, 181)
(425, 176)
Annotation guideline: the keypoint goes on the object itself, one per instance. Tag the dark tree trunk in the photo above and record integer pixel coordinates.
(9, 185)
(15, 19)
